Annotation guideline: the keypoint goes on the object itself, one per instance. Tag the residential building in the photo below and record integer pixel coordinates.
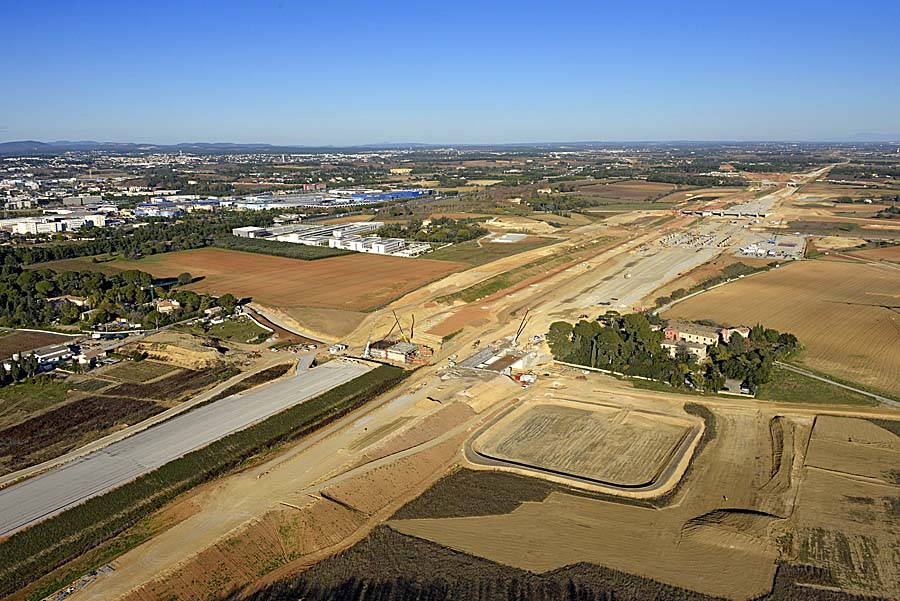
(692, 332)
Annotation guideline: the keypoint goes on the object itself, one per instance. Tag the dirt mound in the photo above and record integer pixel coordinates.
(178, 349)
(730, 528)
(521, 224)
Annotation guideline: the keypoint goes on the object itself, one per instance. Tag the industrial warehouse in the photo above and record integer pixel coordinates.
(347, 236)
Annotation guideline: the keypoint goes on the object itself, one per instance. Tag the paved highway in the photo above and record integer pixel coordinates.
(50, 493)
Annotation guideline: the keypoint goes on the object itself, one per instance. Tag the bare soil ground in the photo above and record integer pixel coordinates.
(847, 516)
(887, 253)
(837, 242)
(354, 282)
(725, 519)
(838, 310)
(176, 348)
(607, 444)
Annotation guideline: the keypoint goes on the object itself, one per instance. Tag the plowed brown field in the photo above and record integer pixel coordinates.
(353, 282)
(842, 312)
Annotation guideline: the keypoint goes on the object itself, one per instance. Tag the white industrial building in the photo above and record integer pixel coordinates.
(355, 236)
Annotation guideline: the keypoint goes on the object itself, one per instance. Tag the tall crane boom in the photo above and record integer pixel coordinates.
(366, 353)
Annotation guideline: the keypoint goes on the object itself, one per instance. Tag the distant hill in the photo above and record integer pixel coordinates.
(24, 147)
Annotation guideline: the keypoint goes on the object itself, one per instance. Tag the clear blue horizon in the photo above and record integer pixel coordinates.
(356, 73)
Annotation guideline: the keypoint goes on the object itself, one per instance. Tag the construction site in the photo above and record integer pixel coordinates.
(494, 460)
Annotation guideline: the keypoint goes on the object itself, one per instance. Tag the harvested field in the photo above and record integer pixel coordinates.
(138, 371)
(62, 429)
(855, 446)
(520, 224)
(840, 311)
(837, 242)
(847, 519)
(705, 195)
(354, 282)
(16, 341)
(887, 253)
(522, 539)
(389, 565)
(600, 444)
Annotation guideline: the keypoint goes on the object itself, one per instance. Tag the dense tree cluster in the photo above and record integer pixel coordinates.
(689, 179)
(278, 248)
(151, 237)
(630, 345)
(25, 298)
(441, 230)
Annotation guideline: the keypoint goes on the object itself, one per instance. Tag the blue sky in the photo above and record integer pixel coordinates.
(480, 72)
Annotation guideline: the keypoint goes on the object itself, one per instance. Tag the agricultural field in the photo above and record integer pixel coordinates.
(479, 252)
(890, 254)
(821, 190)
(68, 426)
(839, 310)
(16, 341)
(19, 401)
(849, 505)
(174, 387)
(632, 190)
(596, 443)
(354, 282)
(741, 512)
(138, 371)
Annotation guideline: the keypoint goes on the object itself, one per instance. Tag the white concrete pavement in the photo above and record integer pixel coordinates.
(52, 492)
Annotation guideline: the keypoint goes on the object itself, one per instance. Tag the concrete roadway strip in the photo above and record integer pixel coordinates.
(55, 491)
(28, 472)
(882, 399)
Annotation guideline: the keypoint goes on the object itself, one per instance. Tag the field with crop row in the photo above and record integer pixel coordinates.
(843, 313)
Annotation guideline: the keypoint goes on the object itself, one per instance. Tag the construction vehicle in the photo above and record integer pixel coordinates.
(515, 339)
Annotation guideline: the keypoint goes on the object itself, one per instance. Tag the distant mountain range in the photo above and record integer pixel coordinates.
(27, 147)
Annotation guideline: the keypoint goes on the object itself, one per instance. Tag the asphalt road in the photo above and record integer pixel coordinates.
(54, 491)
